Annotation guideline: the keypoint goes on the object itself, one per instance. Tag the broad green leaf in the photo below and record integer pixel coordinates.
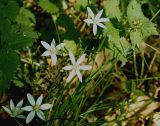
(136, 38)
(9, 9)
(26, 17)
(48, 6)
(68, 30)
(141, 27)
(81, 5)
(70, 45)
(112, 9)
(8, 65)
(116, 45)
(148, 29)
(20, 37)
(134, 12)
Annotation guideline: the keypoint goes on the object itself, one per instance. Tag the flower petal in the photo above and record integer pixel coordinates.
(70, 67)
(41, 115)
(103, 20)
(71, 75)
(90, 13)
(101, 25)
(53, 44)
(27, 108)
(88, 21)
(21, 116)
(39, 100)
(94, 29)
(46, 45)
(7, 110)
(19, 105)
(85, 67)
(60, 46)
(46, 53)
(54, 59)
(46, 106)
(99, 15)
(30, 117)
(79, 75)
(12, 105)
(81, 59)
(31, 99)
(72, 58)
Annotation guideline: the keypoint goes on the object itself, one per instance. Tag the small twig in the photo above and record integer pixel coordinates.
(152, 61)
(18, 122)
(153, 48)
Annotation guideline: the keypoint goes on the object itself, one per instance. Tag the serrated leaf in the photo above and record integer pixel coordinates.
(9, 9)
(26, 17)
(20, 37)
(117, 46)
(136, 38)
(8, 65)
(134, 12)
(112, 9)
(148, 29)
(139, 23)
(80, 5)
(48, 6)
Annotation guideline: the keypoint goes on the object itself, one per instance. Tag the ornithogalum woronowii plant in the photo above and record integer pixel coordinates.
(96, 20)
(76, 67)
(52, 50)
(36, 108)
(14, 111)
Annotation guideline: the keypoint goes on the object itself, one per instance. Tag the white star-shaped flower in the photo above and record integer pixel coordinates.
(15, 111)
(76, 67)
(36, 108)
(95, 20)
(52, 50)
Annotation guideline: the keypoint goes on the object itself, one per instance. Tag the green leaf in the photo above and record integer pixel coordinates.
(9, 9)
(134, 12)
(26, 17)
(141, 27)
(20, 37)
(18, 83)
(48, 6)
(148, 29)
(112, 9)
(117, 46)
(70, 45)
(80, 5)
(68, 30)
(8, 65)
(136, 38)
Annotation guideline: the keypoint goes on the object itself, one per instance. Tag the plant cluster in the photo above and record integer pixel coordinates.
(115, 80)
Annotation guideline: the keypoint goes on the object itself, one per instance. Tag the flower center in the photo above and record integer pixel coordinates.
(36, 108)
(95, 21)
(53, 51)
(75, 66)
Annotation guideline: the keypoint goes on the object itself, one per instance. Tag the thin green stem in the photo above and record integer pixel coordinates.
(56, 29)
(155, 15)
(135, 64)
